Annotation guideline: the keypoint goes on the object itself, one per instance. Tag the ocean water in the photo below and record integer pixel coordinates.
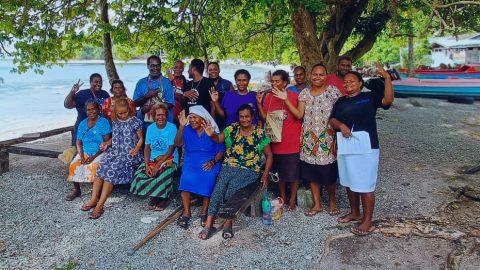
(31, 102)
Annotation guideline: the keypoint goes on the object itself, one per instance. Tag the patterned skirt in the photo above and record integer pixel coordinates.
(159, 186)
(83, 173)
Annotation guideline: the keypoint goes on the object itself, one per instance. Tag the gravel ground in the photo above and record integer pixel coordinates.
(423, 147)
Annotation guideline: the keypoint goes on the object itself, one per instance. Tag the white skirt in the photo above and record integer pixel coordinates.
(359, 172)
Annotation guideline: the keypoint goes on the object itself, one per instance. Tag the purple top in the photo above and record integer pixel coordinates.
(233, 100)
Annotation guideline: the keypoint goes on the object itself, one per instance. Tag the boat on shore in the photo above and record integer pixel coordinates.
(443, 88)
(463, 72)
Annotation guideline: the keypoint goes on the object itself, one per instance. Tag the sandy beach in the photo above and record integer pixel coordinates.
(426, 144)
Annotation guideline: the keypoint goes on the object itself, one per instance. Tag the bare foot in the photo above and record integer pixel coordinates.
(74, 194)
(333, 210)
(349, 217)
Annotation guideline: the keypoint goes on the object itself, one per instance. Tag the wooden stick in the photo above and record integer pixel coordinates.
(162, 225)
(33, 152)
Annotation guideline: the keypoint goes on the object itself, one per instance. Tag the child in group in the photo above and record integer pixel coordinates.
(119, 162)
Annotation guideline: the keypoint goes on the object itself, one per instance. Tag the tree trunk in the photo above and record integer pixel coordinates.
(303, 23)
(411, 64)
(107, 44)
(327, 47)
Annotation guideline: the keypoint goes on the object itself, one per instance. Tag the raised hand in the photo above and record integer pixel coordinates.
(182, 119)
(208, 128)
(76, 86)
(259, 97)
(381, 70)
(170, 74)
(214, 94)
(280, 94)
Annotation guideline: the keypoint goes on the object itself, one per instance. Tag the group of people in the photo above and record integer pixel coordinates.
(228, 138)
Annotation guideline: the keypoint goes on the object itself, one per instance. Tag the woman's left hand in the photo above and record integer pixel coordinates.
(207, 166)
(280, 94)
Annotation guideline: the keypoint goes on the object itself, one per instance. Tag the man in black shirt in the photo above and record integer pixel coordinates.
(197, 91)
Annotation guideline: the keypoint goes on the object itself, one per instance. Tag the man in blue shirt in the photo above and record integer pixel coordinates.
(220, 83)
(153, 89)
(299, 74)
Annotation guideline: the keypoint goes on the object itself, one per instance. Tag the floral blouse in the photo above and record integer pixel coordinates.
(318, 138)
(244, 151)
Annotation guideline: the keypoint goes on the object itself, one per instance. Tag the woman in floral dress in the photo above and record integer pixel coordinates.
(244, 143)
(317, 158)
(123, 154)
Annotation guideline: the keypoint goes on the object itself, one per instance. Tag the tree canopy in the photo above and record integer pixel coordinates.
(39, 33)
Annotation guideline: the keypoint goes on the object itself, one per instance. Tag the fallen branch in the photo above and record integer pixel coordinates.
(162, 225)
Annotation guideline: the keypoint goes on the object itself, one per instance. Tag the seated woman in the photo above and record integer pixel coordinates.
(118, 164)
(356, 112)
(154, 177)
(201, 162)
(119, 92)
(244, 144)
(232, 100)
(91, 133)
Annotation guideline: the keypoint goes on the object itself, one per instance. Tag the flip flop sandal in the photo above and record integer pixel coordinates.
(203, 220)
(227, 233)
(206, 233)
(355, 230)
(183, 221)
(345, 219)
(96, 215)
(312, 212)
(86, 208)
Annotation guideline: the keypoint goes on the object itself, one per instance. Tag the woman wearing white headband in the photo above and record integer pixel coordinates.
(202, 160)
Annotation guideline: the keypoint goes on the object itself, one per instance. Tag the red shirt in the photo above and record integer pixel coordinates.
(291, 126)
(333, 79)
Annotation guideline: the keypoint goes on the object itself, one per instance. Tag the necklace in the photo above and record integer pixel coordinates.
(195, 87)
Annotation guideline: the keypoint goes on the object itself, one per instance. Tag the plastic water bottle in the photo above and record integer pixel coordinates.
(266, 209)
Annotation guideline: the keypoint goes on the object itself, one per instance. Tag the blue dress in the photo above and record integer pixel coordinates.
(117, 165)
(198, 150)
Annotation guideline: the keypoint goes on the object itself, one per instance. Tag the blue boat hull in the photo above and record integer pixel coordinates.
(444, 91)
(448, 76)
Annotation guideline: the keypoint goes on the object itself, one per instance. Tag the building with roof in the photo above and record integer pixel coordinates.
(463, 49)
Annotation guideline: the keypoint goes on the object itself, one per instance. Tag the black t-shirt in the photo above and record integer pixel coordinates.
(359, 112)
(203, 87)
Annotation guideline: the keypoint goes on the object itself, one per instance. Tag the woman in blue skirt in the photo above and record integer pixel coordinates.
(202, 161)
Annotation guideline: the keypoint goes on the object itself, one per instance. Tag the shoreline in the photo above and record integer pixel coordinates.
(423, 149)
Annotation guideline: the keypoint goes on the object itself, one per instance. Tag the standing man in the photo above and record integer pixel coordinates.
(151, 90)
(197, 91)
(179, 82)
(220, 83)
(222, 86)
(344, 65)
(299, 74)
